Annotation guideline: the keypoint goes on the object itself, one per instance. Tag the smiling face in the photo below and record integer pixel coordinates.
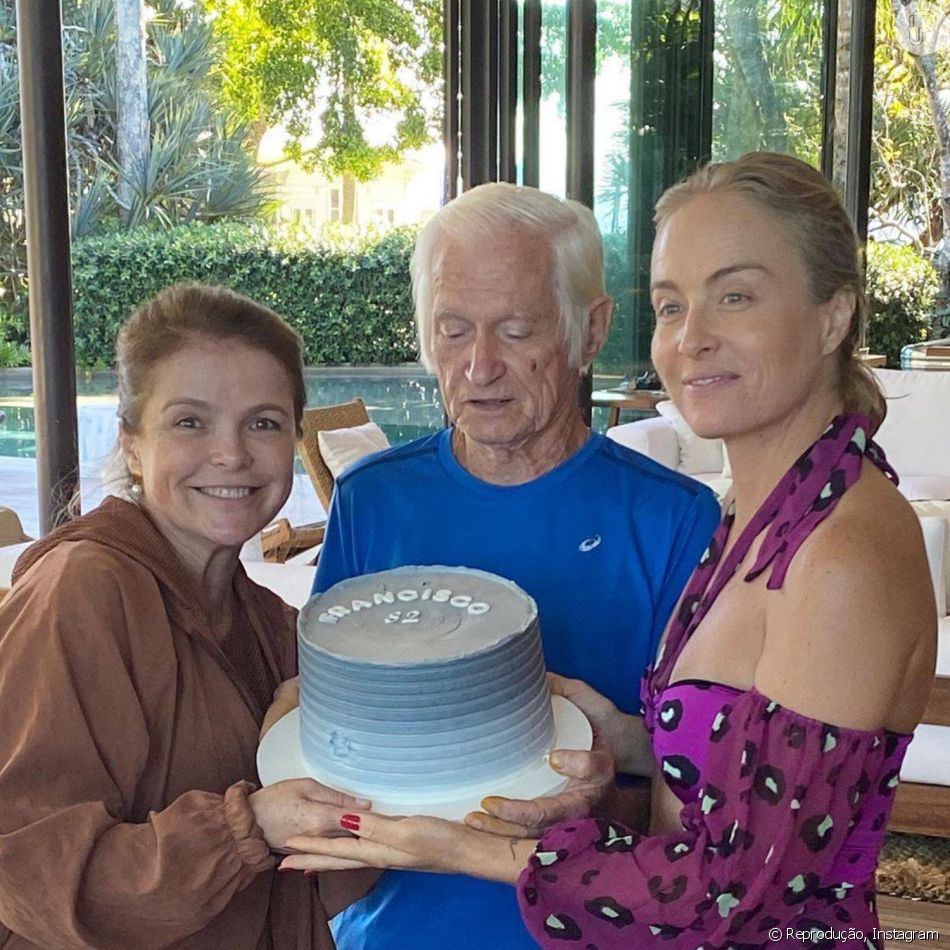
(501, 364)
(214, 448)
(739, 343)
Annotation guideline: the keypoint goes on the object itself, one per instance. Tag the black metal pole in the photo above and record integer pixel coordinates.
(507, 88)
(450, 11)
(581, 73)
(860, 114)
(707, 42)
(581, 52)
(491, 25)
(476, 115)
(46, 206)
(531, 94)
(829, 82)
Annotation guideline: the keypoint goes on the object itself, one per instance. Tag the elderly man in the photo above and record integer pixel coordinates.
(510, 306)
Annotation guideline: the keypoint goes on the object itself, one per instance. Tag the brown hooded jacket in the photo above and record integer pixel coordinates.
(127, 745)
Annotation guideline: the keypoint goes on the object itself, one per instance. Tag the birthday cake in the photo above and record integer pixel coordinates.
(422, 683)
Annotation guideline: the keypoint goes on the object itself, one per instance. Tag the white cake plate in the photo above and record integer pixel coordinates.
(279, 758)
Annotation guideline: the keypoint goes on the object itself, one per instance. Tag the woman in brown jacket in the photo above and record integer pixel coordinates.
(137, 662)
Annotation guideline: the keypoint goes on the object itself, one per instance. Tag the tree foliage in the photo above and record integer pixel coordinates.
(350, 61)
(197, 167)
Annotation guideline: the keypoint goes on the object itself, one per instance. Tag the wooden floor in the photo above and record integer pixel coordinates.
(900, 914)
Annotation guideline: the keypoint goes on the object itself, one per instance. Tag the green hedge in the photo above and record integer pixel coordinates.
(351, 304)
(351, 301)
(902, 288)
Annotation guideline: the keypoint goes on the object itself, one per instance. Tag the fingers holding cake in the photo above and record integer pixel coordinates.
(590, 778)
(286, 697)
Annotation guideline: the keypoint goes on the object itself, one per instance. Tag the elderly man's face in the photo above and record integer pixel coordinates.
(501, 365)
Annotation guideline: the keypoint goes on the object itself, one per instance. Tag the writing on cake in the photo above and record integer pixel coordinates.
(408, 595)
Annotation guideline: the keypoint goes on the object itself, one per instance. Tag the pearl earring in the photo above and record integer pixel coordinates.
(135, 490)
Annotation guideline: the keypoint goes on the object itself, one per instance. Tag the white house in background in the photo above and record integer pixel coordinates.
(407, 192)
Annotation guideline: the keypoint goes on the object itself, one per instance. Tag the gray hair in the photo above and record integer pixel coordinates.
(568, 227)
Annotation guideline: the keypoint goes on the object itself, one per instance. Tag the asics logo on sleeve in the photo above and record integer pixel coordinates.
(588, 544)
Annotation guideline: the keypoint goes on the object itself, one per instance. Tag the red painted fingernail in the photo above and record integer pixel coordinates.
(310, 873)
(286, 869)
(350, 822)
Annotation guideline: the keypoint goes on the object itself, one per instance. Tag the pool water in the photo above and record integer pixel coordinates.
(403, 402)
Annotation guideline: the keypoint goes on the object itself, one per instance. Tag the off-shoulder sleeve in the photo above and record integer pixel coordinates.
(760, 839)
(75, 870)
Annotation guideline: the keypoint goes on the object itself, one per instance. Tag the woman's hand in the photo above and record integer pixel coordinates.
(299, 806)
(418, 843)
(286, 697)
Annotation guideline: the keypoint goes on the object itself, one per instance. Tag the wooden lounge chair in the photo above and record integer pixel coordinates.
(281, 540)
(11, 530)
(925, 809)
(343, 416)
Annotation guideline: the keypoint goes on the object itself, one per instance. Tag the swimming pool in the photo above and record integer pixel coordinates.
(403, 401)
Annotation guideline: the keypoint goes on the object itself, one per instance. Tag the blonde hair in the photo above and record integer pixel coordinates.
(568, 227)
(819, 228)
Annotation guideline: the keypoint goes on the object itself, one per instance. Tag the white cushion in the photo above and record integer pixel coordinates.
(937, 545)
(916, 433)
(925, 487)
(927, 759)
(340, 448)
(290, 582)
(943, 647)
(8, 558)
(653, 437)
(696, 455)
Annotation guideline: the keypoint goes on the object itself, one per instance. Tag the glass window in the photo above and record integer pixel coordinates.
(553, 132)
(647, 134)
(767, 78)
(907, 219)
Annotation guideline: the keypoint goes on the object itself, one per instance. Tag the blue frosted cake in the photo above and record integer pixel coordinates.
(422, 683)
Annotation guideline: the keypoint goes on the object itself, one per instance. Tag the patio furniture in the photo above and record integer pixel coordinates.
(915, 435)
(643, 400)
(935, 354)
(11, 529)
(325, 456)
(667, 439)
(281, 540)
(922, 805)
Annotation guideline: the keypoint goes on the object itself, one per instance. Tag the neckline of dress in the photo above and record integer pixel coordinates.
(809, 486)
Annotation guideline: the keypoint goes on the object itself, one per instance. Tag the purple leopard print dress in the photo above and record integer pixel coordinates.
(783, 816)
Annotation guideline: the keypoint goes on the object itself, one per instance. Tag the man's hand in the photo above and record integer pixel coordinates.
(622, 736)
(590, 779)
